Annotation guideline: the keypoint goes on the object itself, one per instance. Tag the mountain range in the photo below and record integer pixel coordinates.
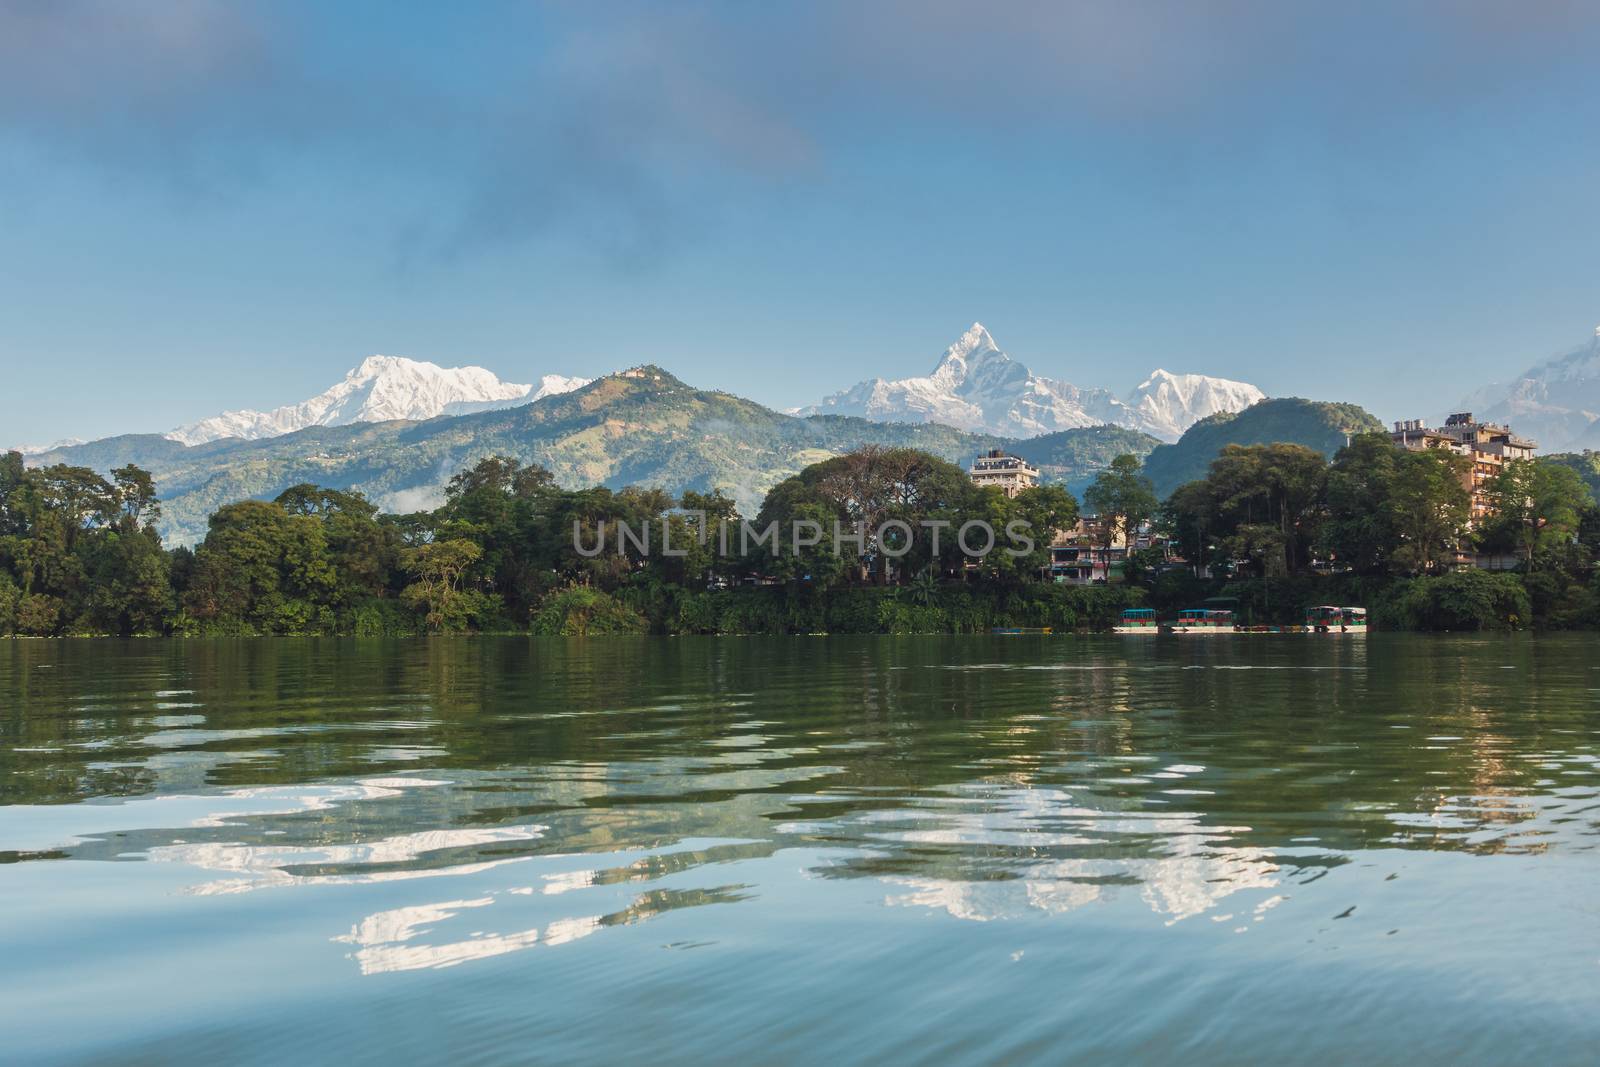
(397, 430)
(976, 386)
(380, 389)
(636, 427)
(1556, 402)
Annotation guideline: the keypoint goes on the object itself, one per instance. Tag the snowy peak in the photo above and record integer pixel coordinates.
(555, 385)
(974, 386)
(1170, 403)
(977, 386)
(1556, 402)
(380, 389)
(975, 347)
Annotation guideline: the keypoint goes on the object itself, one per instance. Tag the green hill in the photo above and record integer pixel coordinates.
(638, 427)
(1316, 424)
(1074, 457)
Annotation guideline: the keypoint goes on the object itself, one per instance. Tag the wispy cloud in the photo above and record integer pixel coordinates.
(618, 126)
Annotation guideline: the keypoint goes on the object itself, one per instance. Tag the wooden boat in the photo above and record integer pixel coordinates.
(1020, 630)
(1204, 621)
(1333, 619)
(1137, 621)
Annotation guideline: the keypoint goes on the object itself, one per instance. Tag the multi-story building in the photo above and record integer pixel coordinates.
(1488, 445)
(1010, 473)
(1092, 552)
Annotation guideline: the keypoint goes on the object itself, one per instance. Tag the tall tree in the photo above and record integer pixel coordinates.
(1123, 498)
(1360, 531)
(1262, 503)
(1429, 506)
(263, 570)
(1537, 505)
(439, 569)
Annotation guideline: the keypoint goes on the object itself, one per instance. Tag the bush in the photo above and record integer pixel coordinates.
(1461, 600)
(38, 615)
(580, 611)
(10, 598)
(377, 617)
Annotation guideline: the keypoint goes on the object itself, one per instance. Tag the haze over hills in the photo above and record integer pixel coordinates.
(1557, 402)
(380, 389)
(637, 427)
(976, 386)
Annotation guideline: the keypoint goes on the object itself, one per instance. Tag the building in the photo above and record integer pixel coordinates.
(1092, 553)
(1011, 474)
(1488, 445)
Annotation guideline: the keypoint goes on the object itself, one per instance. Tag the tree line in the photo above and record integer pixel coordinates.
(79, 552)
(1396, 526)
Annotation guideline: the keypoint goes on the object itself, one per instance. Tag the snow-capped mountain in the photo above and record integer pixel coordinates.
(1557, 402)
(382, 388)
(976, 386)
(1170, 403)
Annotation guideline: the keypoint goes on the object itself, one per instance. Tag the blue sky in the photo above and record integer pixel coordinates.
(210, 205)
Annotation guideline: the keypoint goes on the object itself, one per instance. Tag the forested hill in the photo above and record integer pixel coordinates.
(638, 427)
(1316, 424)
(1073, 457)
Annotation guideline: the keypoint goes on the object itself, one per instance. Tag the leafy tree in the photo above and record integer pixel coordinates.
(438, 569)
(1262, 503)
(1361, 531)
(262, 569)
(1536, 505)
(10, 601)
(1124, 498)
(1038, 514)
(135, 495)
(1190, 517)
(364, 552)
(131, 584)
(865, 490)
(1429, 508)
(1460, 600)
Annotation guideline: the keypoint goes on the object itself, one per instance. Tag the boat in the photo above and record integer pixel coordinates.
(1204, 621)
(1334, 619)
(1006, 630)
(1137, 621)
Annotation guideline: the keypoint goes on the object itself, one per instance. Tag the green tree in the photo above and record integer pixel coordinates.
(1429, 507)
(1124, 498)
(864, 490)
(1036, 514)
(438, 570)
(263, 570)
(1361, 529)
(1263, 505)
(1536, 506)
(364, 552)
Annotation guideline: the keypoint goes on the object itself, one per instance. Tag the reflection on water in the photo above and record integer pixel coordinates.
(1098, 811)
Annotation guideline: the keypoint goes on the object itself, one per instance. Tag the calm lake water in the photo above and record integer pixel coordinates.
(897, 850)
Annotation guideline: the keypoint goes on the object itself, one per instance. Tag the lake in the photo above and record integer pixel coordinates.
(1299, 849)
